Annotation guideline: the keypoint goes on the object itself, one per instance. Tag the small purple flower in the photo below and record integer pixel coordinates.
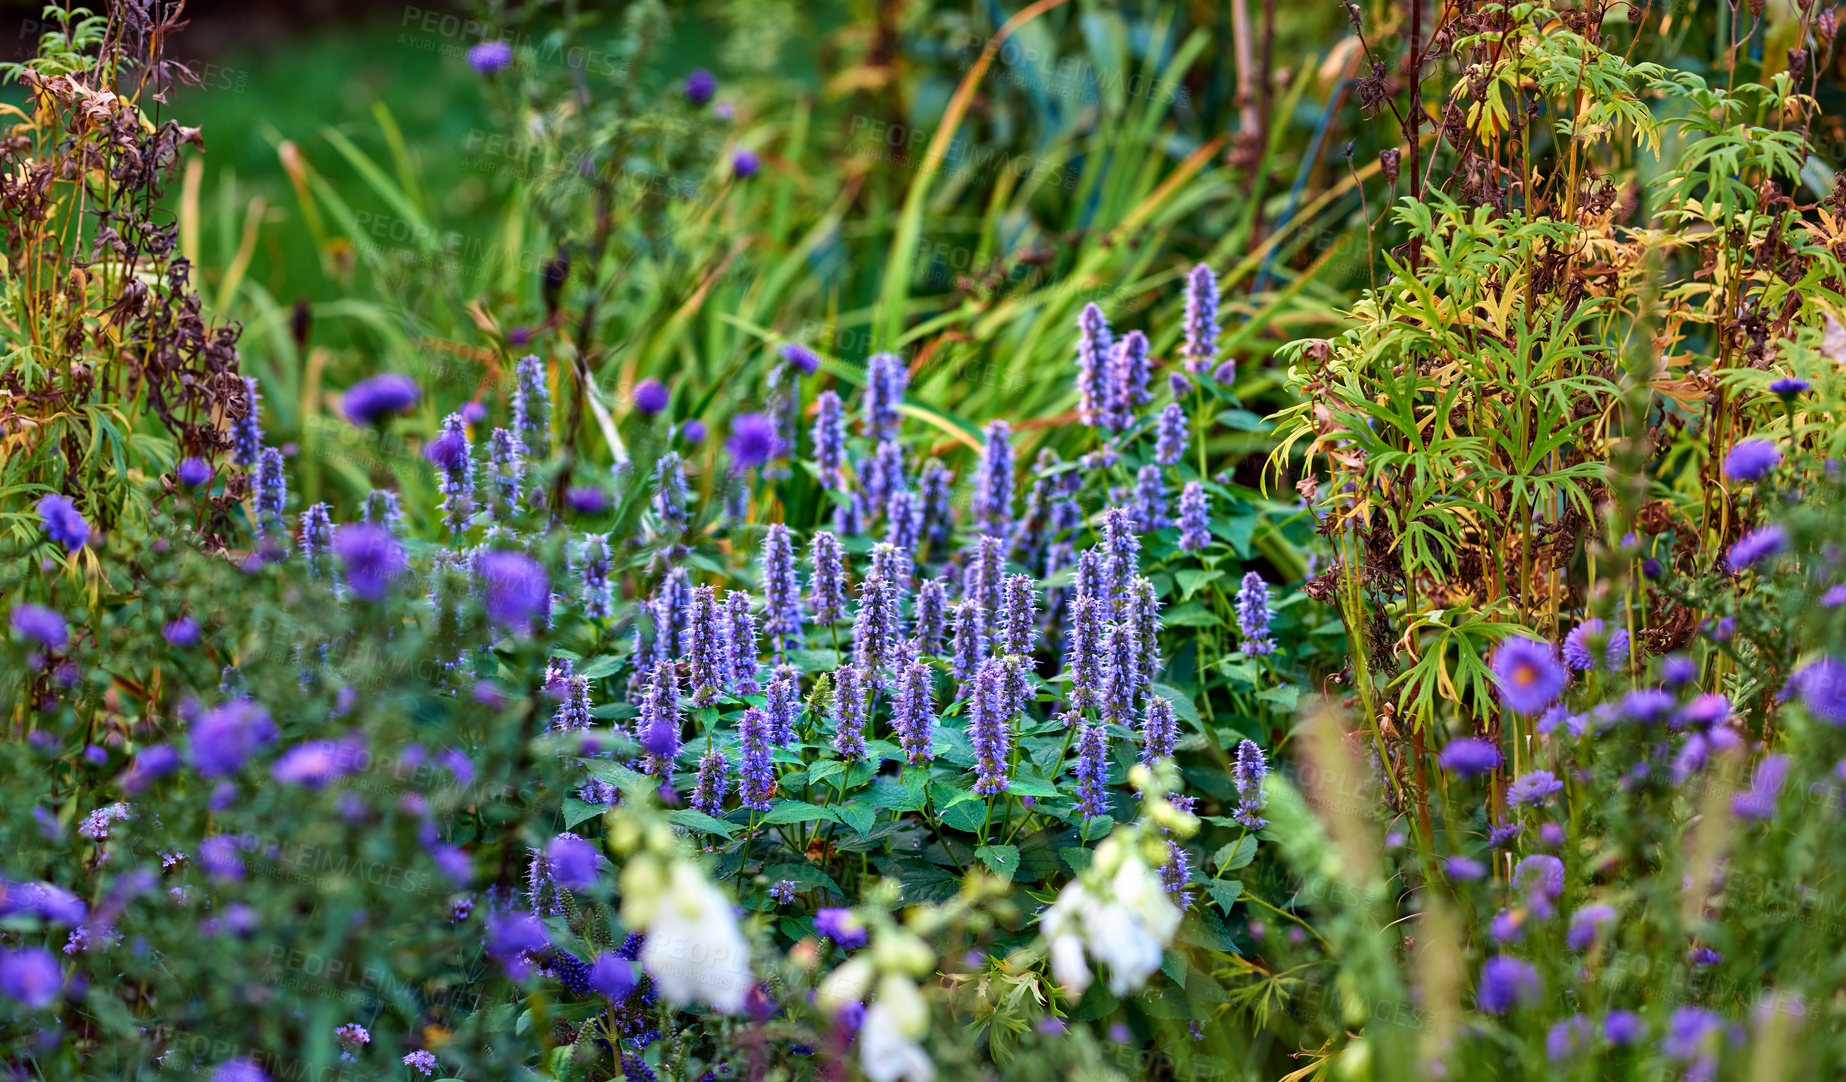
(1527, 674)
(1758, 802)
(510, 936)
(1678, 670)
(700, 86)
(1194, 517)
(714, 781)
(1750, 460)
(612, 977)
(517, 591)
(155, 762)
(371, 556)
(490, 57)
(1591, 645)
(913, 713)
(1506, 982)
(317, 763)
(1201, 341)
(193, 472)
(1623, 1027)
(1568, 1037)
(757, 773)
(990, 728)
(372, 400)
(1469, 757)
(1465, 868)
(651, 396)
(745, 164)
(1789, 386)
(587, 501)
(1170, 440)
(30, 976)
(1822, 687)
(841, 926)
(800, 357)
(1834, 597)
(575, 863)
(225, 737)
(1092, 771)
(182, 632)
(693, 432)
(240, 1070)
(1533, 789)
(1584, 924)
(752, 441)
(1253, 615)
(63, 523)
(1687, 1029)
(41, 625)
(422, 1061)
(1758, 545)
(1647, 705)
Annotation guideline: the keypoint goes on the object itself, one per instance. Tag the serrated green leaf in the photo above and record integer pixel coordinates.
(1190, 614)
(700, 822)
(799, 811)
(1225, 892)
(1192, 578)
(858, 816)
(1235, 855)
(578, 811)
(1002, 859)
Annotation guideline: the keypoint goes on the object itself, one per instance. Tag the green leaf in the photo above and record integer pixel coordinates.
(825, 660)
(601, 667)
(858, 816)
(1236, 854)
(700, 822)
(824, 769)
(1002, 859)
(1190, 614)
(1192, 578)
(1284, 697)
(1182, 703)
(799, 811)
(905, 796)
(577, 811)
(1224, 891)
(1024, 784)
(1076, 856)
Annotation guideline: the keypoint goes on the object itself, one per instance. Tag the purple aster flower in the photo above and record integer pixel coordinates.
(841, 926)
(517, 591)
(490, 56)
(756, 772)
(1567, 1038)
(1470, 757)
(1758, 545)
(1647, 705)
(1822, 687)
(1095, 347)
(1591, 645)
(40, 625)
(1541, 876)
(1687, 1030)
(693, 432)
(700, 86)
(371, 556)
(318, 763)
(1533, 789)
(63, 523)
(714, 782)
(1092, 771)
(1253, 615)
(1464, 869)
(651, 396)
(753, 439)
(1623, 1027)
(372, 400)
(990, 728)
(1201, 341)
(1750, 460)
(1758, 802)
(247, 427)
(1194, 517)
(193, 472)
(1170, 441)
(1506, 982)
(849, 713)
(1584, 924)
(1527, 674)
(225, 737)
(1789, 386)
(913, 713)
(992, 500)
(1506, 927)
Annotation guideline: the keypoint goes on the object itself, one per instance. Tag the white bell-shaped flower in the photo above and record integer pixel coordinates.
(1121, 917)
(694, 950)
(895, 1022)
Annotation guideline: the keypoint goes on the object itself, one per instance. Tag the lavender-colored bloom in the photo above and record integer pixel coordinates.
(781, 590)
(40, 624)
(990, 728)
(270, 488)
(1533, 789)
(1194, 517)
(883, 475)
(849, 713)
(984, 578)
(506, 458)
(1527, 674)
(226, 736)
(1248, 770)
(1253, 615)
(1591, 645)
(752, 441)
(247, 427)
(651, 396)
(575, 863)
(532, 405)
(713, 783)
(1789, 386)
(1758, 802)
(799, 357)
(1083, 653)
(931, 615)
(936, 485)
(1646, 705)
(1751, 460)
(904, 522)
(1201, 341)
(875, 632)
(595, 588)
(700, 86)
(452, 456)
(1568, 1037)
(829, 437)
(1470, 757)
(490, 56)
(1128, 376)
(741, 641)
(1095, 347)
(1540, 876)
(913, 713)
(372, 400)
(782, 702)
(885, 380)
(516, 592)
(371, 556)
(693, 432)
(1464, 869)
(148, 766)
(670, 491)
(659, 724)
(842, 927)
(63, 523)
(1687, 1030)
(1584, 924)
(240, 1070)
(1143, 623)
(1092, 771)
(1151, 498)
(1758, 545)
(1678, 670)
(1121, 554)
(745, 164)
(992, 500)
(1159, 730)
(1506, 982)
(1121, 680)
(756, 771)
(1703, 957)
(1171, 437)
(705, 647)
(1019, 616)
(317, 763)
(1225, 373)
(969, 648)
(1623, 1027)
(193, 472)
